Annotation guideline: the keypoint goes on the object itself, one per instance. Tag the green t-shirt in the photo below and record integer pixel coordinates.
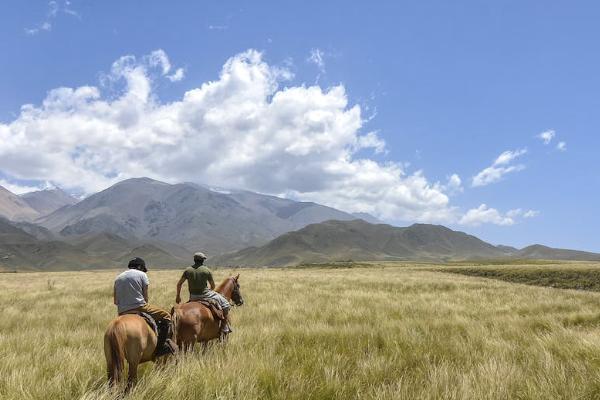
(198, 279)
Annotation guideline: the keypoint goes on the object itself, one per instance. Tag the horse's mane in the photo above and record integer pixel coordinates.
(223, 284)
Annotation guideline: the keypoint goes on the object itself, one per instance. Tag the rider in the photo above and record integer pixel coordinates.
(198, 276)
(130, 295)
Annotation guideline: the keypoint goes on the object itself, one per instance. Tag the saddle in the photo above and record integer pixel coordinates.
(148, 318)
(214, 307)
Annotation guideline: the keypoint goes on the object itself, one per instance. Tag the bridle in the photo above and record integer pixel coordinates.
(236, 296)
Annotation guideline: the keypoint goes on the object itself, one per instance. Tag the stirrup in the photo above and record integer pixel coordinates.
(168, 347)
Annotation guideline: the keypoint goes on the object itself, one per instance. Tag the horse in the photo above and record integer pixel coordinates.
(128, 337)
(193, 322)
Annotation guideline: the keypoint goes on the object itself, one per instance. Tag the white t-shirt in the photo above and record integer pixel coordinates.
(129, 289)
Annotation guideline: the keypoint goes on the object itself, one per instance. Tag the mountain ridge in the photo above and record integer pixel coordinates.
(15, 208)
(48, 200)
(359, 240)
(190, 215)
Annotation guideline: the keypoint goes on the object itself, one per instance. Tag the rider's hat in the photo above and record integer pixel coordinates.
(200, 255)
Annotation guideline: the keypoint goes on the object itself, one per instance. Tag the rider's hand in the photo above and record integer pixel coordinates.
(178, 299)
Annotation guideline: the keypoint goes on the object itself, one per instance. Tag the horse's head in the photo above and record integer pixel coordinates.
(236, 294)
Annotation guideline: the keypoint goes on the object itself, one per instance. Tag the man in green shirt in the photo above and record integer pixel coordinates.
(199, 277)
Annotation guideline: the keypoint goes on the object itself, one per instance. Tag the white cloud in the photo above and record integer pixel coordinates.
(453, 186)
(531, 214)
(17, 188)
(241, 130)
(547, 136)
(562, 146)
(159, 59)
(176, 76)
(371, 141)
(487, 215)
(54, 9)
(500, 167)
(317, 57)
(45, 26)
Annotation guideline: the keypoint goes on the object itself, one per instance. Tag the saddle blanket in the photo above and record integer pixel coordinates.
(213, 305)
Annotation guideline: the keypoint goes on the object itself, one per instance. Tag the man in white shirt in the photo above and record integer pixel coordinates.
(130, 295)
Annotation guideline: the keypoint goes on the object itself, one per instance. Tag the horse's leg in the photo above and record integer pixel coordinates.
(204, 347)
(132, 377)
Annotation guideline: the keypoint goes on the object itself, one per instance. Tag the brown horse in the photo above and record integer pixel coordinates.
(195, 323)
(128, 337)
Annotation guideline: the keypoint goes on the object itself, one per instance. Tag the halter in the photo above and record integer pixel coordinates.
(236, 291)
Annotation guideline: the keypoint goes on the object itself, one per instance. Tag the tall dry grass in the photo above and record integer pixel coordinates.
(393, 332)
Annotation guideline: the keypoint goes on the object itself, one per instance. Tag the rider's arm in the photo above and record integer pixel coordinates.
(145, 293)
(212, 283)
(179, 284)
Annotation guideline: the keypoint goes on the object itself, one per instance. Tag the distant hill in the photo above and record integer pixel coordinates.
(15, 208)
(192, 216)
(359, 240)
(537, 251)
(48, 201)
(20, 250)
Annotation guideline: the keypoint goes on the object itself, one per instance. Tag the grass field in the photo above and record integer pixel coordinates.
(369, 332)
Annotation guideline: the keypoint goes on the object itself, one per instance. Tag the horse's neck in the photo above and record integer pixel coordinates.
(225, 288)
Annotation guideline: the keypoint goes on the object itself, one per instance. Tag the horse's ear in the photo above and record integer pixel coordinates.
(237, 277)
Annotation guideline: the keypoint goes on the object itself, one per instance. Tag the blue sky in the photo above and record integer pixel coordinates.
(448, 86)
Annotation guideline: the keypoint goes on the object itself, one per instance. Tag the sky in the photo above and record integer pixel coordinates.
(481, 116)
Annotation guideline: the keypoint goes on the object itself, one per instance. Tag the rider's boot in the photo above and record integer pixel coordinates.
(164, 345)
(225, 327)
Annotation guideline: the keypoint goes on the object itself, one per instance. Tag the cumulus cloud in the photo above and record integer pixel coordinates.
(561, 146)
(500, 167)
(453, 185)
(158, 58)
(487, 215)
(241, 130)
(547, 136)
(176, 76)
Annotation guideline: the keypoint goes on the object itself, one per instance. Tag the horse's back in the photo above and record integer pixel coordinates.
(137, 338)
(196, 323)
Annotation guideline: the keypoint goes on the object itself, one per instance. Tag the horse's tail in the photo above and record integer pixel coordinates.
(114, 351)
(175, 315)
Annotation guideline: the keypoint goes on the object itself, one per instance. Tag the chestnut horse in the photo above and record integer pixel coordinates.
(128, 337)
(194, 322)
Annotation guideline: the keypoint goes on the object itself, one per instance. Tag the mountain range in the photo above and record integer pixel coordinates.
(359, 240)
(144, 216)
(189, 215)
(166, 223)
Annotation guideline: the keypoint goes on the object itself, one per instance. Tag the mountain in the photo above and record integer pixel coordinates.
(359, 240)
(190, 215)
(15, 208)
(367, 217)
(507, 249)
(540, 252)
(20, 250)
(48, 201)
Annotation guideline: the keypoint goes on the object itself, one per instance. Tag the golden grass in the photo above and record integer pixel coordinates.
(376, 332)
